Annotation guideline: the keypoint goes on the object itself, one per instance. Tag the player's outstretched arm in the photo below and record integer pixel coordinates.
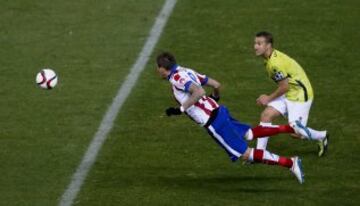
(216, 88)
(196, 93)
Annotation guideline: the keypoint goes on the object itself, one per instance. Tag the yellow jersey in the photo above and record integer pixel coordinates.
(280, 66)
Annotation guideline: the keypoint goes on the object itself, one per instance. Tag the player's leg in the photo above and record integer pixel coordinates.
(259, 131)
(298, 114)
(306, 132)
(229, 133)
(293, 128)
(274, 109)
(266, 131)
(234, 130)
(266, 157)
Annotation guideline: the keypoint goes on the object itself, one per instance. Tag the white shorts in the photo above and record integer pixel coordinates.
(292, 110)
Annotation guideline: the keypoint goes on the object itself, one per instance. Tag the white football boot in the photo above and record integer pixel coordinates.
(301, 130)
(296, 169)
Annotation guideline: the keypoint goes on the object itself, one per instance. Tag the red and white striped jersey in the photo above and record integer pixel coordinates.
(181, 78)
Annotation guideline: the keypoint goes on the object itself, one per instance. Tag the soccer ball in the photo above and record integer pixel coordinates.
(46, 79)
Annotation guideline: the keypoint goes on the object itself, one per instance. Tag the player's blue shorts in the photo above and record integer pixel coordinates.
(228, 133)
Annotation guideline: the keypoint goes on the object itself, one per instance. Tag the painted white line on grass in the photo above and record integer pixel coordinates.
(107, 122)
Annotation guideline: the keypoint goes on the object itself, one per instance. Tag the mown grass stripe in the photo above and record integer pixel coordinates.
(108, 120)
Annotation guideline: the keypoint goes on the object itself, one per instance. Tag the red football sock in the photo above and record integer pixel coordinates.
(264, 131)
(285, 162)
(268, 158)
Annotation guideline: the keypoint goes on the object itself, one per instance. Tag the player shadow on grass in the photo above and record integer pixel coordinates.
(245, 184)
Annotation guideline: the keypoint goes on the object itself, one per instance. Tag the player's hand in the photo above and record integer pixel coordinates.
(173, 111)
(263, 100)
(214, 97)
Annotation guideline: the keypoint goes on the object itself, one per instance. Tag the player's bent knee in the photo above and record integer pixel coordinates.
(269, 114)
(266, 117)
(249, 135)
(246, 155)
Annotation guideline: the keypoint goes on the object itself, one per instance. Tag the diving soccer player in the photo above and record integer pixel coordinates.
(187, 88)
(293, 96)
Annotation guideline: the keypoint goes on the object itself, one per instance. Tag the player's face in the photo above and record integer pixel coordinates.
(261, 46)
(162, 72)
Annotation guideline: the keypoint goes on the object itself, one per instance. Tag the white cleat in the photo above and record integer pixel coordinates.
(296, 169)
(301, 130)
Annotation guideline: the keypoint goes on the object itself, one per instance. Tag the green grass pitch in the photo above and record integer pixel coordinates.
(150, 159)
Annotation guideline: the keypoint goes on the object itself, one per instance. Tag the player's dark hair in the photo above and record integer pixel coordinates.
(267, 35)
(166, 60)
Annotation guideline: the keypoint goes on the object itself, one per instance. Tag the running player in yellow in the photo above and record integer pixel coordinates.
(293, 96)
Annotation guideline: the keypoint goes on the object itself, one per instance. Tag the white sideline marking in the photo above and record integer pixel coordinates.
(107, 122)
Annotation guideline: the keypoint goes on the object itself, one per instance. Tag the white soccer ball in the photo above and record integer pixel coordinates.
(46, 79)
